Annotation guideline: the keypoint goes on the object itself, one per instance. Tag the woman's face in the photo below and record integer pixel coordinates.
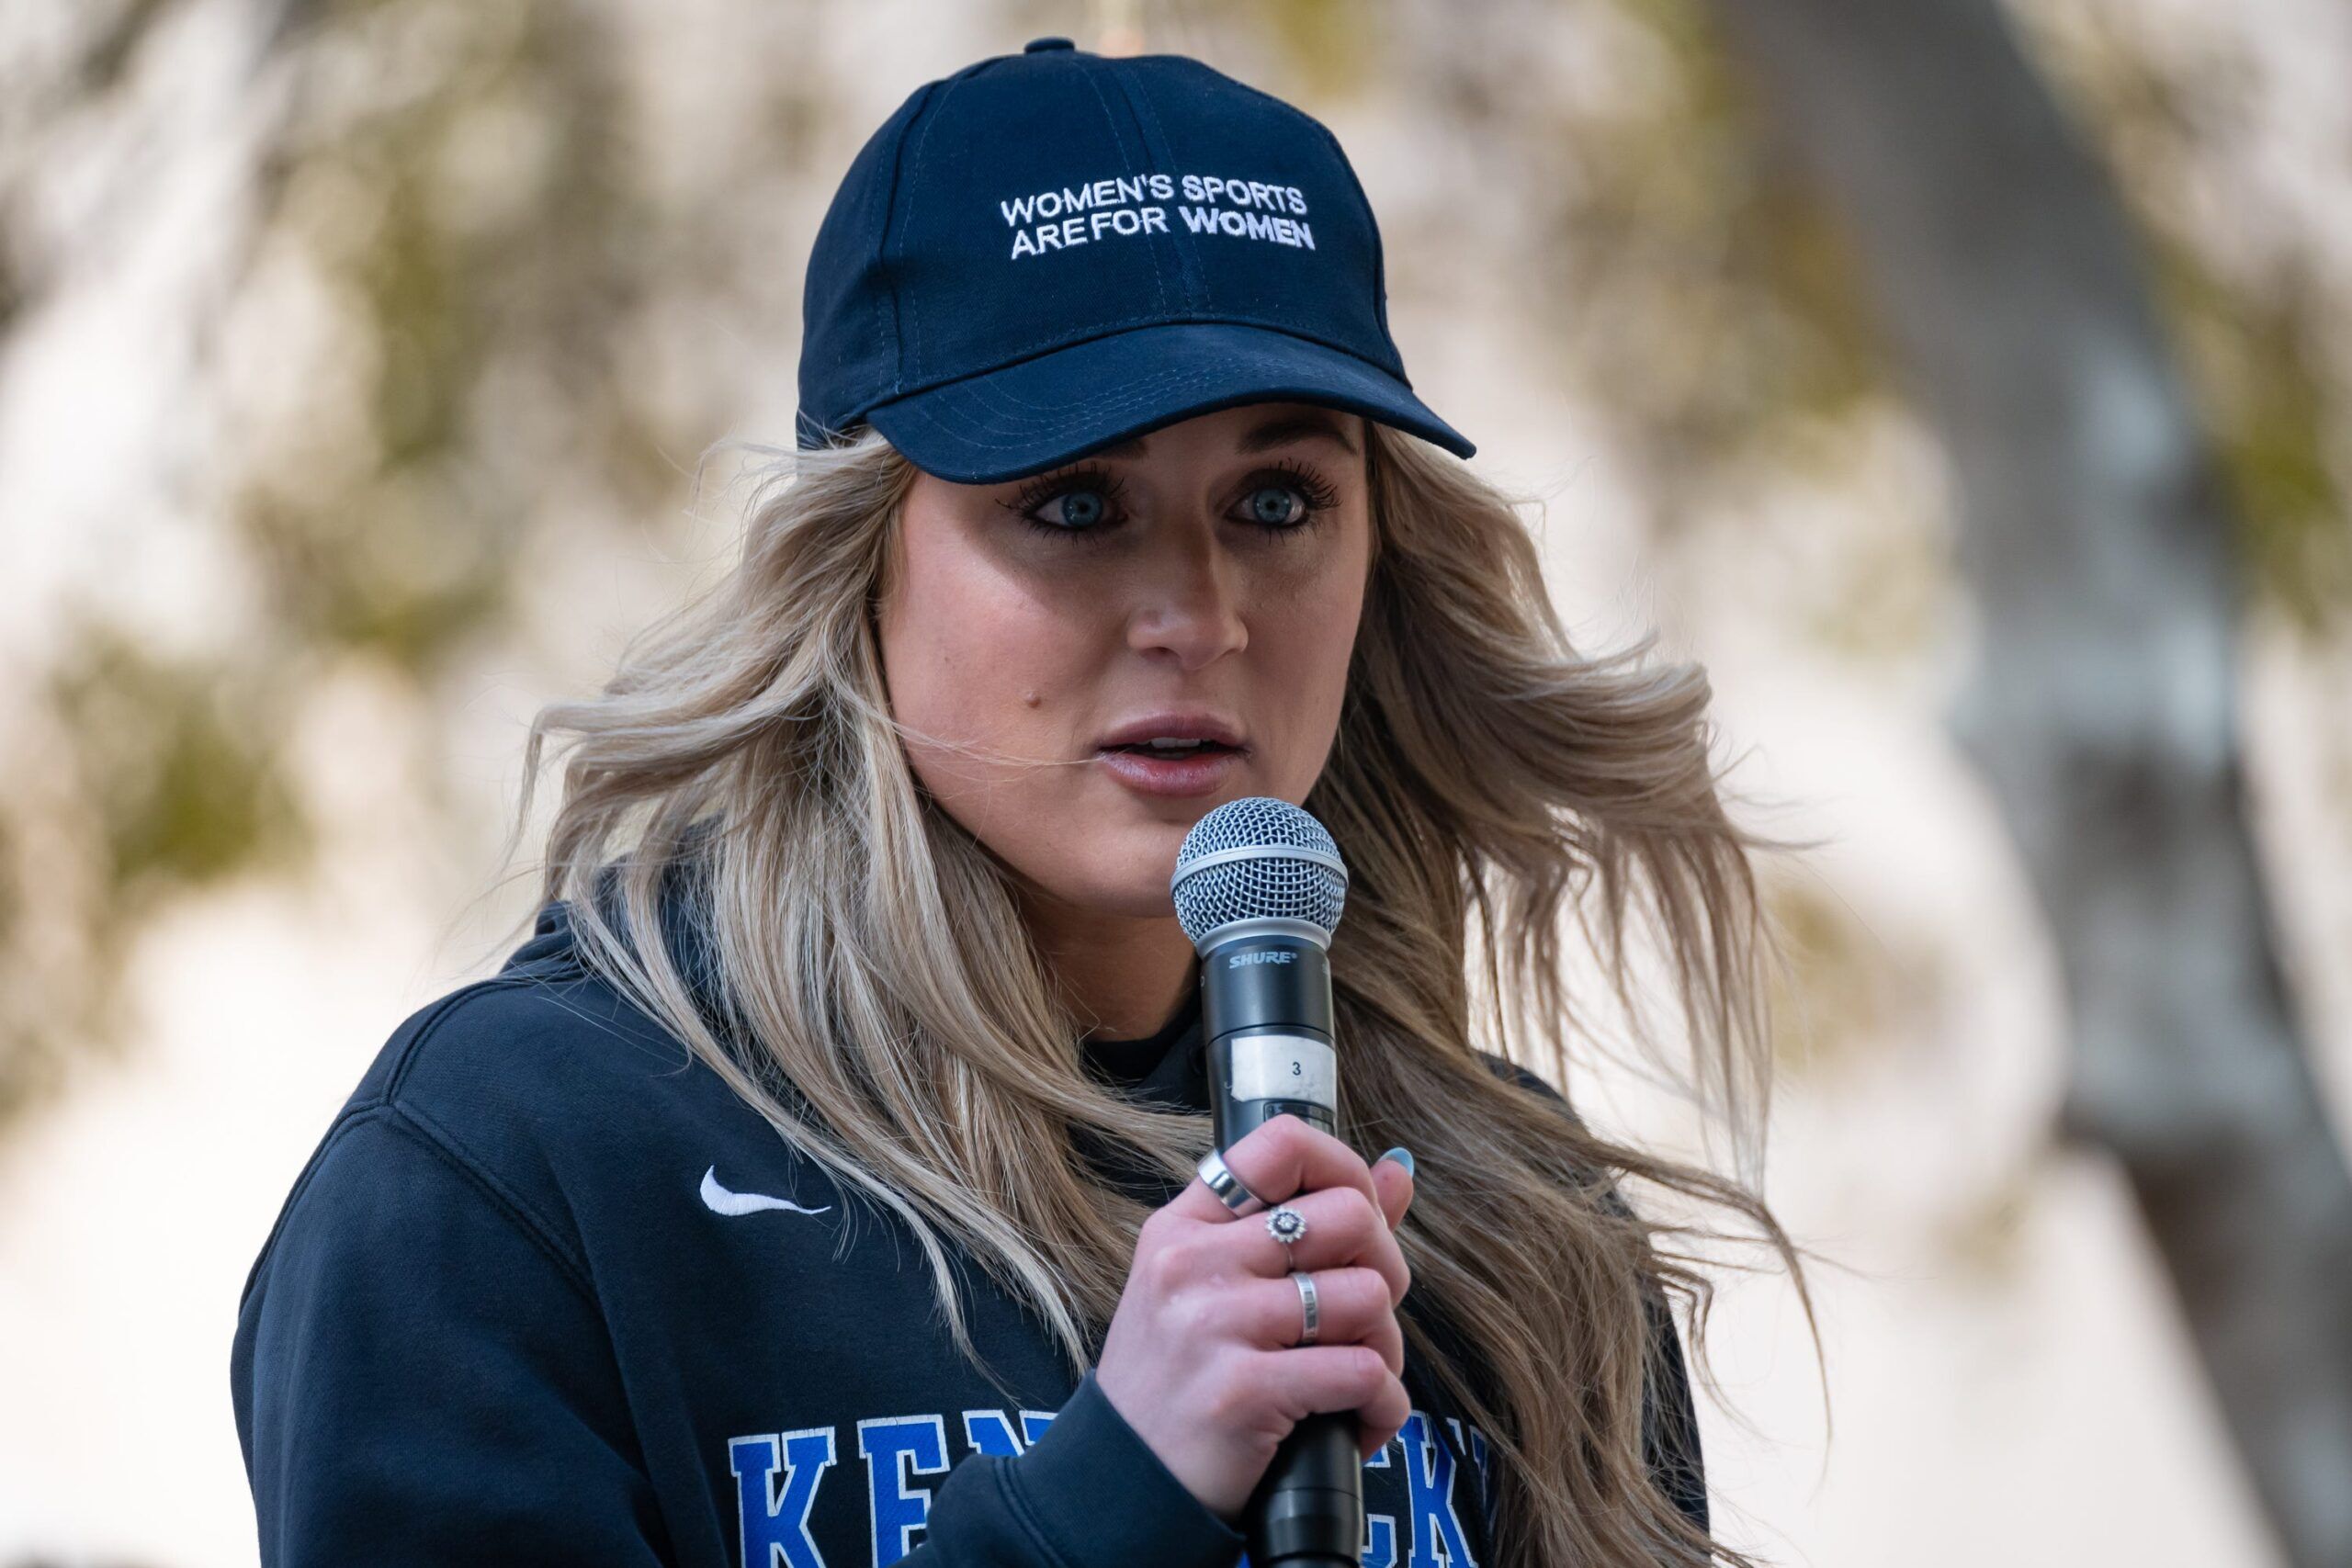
(1213, 569)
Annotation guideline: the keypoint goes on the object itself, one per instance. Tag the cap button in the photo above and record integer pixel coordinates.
(1039, 45)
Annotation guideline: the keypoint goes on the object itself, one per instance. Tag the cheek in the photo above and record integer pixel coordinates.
(963, 651)
(1303, 654)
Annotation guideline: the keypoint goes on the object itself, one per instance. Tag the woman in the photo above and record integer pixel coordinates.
(817, 1184)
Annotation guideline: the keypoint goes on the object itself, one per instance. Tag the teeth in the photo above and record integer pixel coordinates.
(1169, 743)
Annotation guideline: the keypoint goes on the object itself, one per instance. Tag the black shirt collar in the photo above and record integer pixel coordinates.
(1167, 1066)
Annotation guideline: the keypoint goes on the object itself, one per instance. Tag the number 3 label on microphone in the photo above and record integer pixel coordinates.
(1285, 1067)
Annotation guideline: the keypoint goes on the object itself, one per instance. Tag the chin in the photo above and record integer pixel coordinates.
(1127, 886)
(1142, 897)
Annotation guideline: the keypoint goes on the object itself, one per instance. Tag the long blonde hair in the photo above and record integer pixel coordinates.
(877, 996)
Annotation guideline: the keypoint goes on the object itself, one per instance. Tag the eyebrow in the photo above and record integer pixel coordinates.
(1280, 431)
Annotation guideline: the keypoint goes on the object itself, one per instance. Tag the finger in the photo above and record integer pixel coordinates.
(1280, 1159)
(1320, 1379)
(1395, 1185)
(1378, 1422)
(1352, 1307)
(1342, 1229)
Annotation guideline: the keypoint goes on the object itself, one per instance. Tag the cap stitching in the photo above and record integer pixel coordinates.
(923, 145)
(980, 387)
(1111, 120)
(982, 432)
(1409, 413)
(1114, 329)
(976, 425)
(981, 376)
(977, 438)
(890, 207)
(1162, 153)
(1379, 246)
(1144, 393)
(1371, 218)
(1136, 393)
(912, 327)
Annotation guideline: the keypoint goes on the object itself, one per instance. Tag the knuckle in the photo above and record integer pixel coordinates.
(1287, 1133)
(1366, 1286)
(1259, 1152)
(1191, 1316)
(1167, 1267)
(1353, 1222)
(1165, 1226)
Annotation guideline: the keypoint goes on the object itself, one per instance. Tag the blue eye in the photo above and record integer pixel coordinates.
(1284, 500)
(1079, 508)
(1279, 514)
(1311, 494)
(1078, 500)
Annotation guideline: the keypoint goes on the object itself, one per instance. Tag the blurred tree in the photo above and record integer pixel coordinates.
(439, 253)
(2098, 536)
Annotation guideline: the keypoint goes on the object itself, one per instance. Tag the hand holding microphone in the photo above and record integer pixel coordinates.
(1203, 1358)
(1259, 886)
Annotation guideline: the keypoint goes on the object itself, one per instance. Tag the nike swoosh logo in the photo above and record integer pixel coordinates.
(720, 1201)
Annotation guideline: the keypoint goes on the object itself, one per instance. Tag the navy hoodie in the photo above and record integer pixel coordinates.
(550, 1292)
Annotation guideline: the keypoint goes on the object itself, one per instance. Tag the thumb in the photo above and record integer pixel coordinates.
(1392, 1180)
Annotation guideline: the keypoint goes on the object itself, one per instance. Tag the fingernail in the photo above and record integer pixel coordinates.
(1402, 1155)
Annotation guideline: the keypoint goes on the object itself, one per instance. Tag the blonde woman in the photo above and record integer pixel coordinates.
(817, 1184)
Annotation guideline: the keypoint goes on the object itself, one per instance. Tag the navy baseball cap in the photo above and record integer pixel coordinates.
(1053, 250)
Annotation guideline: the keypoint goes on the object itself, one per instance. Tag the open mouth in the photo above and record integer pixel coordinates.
(1182, 749)
(1192, 769)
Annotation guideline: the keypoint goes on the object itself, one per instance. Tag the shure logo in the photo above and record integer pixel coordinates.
(1238, 959)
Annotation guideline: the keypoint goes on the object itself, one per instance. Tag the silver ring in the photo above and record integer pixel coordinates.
(1286, 1224)
(1227, 1186)
(1308, 1305)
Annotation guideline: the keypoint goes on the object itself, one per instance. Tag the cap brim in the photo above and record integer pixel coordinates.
(1041, 412)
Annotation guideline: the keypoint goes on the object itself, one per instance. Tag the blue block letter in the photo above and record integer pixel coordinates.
(1429, 1477)
(893, 1444)
(773, 1517)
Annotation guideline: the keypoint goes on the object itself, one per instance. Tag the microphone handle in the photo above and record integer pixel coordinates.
(1266, 1007)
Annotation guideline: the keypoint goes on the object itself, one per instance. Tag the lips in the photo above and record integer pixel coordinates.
(1200, 771)
(1194, 749)
(1214, 750)
(1196, 725)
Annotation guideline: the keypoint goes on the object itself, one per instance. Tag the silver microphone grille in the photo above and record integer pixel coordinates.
(1255, 858)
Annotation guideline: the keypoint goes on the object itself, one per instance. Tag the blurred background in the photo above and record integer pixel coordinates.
(1968, 385)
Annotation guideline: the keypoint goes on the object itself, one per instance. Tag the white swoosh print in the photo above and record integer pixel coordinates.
(720, 1201)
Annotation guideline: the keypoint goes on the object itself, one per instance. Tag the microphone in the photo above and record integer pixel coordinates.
(1258, 886)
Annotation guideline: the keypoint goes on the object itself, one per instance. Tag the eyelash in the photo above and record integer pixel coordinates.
(1318, 492)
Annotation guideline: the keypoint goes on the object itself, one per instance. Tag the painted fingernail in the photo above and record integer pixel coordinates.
(1402, 1155)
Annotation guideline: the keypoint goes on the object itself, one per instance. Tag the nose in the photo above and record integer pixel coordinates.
(1189, 606)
